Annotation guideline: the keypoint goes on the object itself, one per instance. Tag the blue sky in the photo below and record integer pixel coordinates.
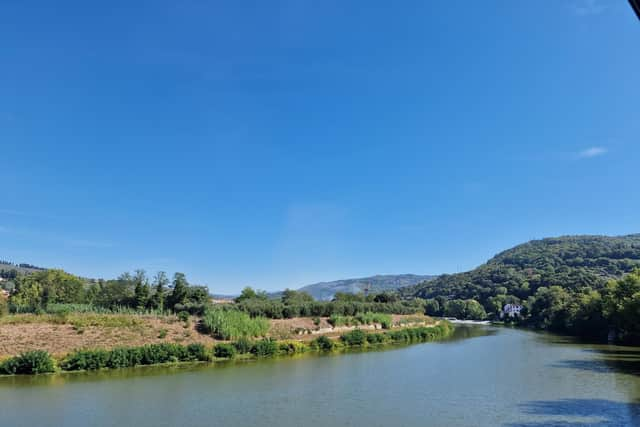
(276, 144)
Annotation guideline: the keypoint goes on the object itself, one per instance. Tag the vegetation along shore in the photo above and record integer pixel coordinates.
(580, 285)
(39, 361)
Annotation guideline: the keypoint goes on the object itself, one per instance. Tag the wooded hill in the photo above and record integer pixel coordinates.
(571, 262)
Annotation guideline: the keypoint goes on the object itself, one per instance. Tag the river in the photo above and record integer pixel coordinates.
(483, 376)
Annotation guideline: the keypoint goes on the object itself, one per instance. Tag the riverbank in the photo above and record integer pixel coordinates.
(60, 334)
(40, 361)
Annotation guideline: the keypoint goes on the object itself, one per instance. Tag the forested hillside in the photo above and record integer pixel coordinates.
(563, 283)
(571, 262)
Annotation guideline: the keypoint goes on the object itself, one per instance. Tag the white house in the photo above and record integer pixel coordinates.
(511, 310)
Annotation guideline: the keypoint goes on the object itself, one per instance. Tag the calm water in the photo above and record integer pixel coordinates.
(483, 377)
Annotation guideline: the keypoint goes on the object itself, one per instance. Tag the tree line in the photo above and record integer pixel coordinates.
(300, 304)
(35, 292)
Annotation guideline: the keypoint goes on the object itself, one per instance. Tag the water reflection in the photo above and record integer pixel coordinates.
(464, 332)
(481, 376)
(607, 359)
(581, 412)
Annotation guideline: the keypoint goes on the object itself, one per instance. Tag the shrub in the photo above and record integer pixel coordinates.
(183, 316)
(243, 345)
(127, 357)
(376, 338)
(233, 324)
(354, 338)
(227, 351)
(30, 362)
(338, 320)
(322, 343)
(162, 333)
(82, 360)
(291, 347)
(265, 347)
(198, 352)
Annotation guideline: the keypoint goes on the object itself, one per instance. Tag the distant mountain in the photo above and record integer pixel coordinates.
(572, 262)
(379, 283)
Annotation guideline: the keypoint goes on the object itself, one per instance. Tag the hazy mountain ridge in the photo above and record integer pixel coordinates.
(377, 283)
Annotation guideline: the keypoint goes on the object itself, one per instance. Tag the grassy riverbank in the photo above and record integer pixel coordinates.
(62, 333)
(40, 361)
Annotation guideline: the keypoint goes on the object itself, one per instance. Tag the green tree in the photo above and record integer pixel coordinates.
(141, 290)
(291, 297)
(178, 294)
(160, 282)
(35, 291)
(248, 293)
(621, 306)
(432, 307)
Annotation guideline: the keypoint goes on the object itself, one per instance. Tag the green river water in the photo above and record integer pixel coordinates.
(483, 376)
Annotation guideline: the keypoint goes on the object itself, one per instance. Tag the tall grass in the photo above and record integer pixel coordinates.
(367, 318)
(59, 308)
(78, 320)
(232, 324)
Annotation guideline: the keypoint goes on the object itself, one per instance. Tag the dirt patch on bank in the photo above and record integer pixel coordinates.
(61, 338)
(61, 335)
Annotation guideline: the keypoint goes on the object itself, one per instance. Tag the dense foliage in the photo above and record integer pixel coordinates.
(573, 263)
(367, 318)
(233, 324)
(47, 290)
(30, 362)
(611, 312)
(300, 304)
(35, 362)
(133, 356)
(225, 350)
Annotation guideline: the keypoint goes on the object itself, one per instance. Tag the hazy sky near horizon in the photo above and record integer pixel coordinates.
(277, 144)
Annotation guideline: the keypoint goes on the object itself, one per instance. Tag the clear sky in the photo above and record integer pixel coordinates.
(277, 144)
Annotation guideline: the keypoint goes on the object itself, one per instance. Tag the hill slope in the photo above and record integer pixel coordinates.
(8, 268)
(572, 262)
(378, 283)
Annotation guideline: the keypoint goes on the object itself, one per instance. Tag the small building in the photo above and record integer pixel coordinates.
(511, 311)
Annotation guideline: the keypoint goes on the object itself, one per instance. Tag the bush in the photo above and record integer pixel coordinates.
(27, 363)
(291, 347)
(354, 338)
(265, 347)
(183, 316)
(88, 360)
(366, 318)
(227, 351)
(376, 338)
(132, 356)
(233, 324)
(243, 345)
(322, 343)
(198, 352)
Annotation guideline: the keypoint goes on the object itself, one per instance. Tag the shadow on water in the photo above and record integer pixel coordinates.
(580, 412)
(625, 361)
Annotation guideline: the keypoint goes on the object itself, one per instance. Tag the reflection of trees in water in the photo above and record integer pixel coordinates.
(592, 412)
(609, 360)
(463, 332)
